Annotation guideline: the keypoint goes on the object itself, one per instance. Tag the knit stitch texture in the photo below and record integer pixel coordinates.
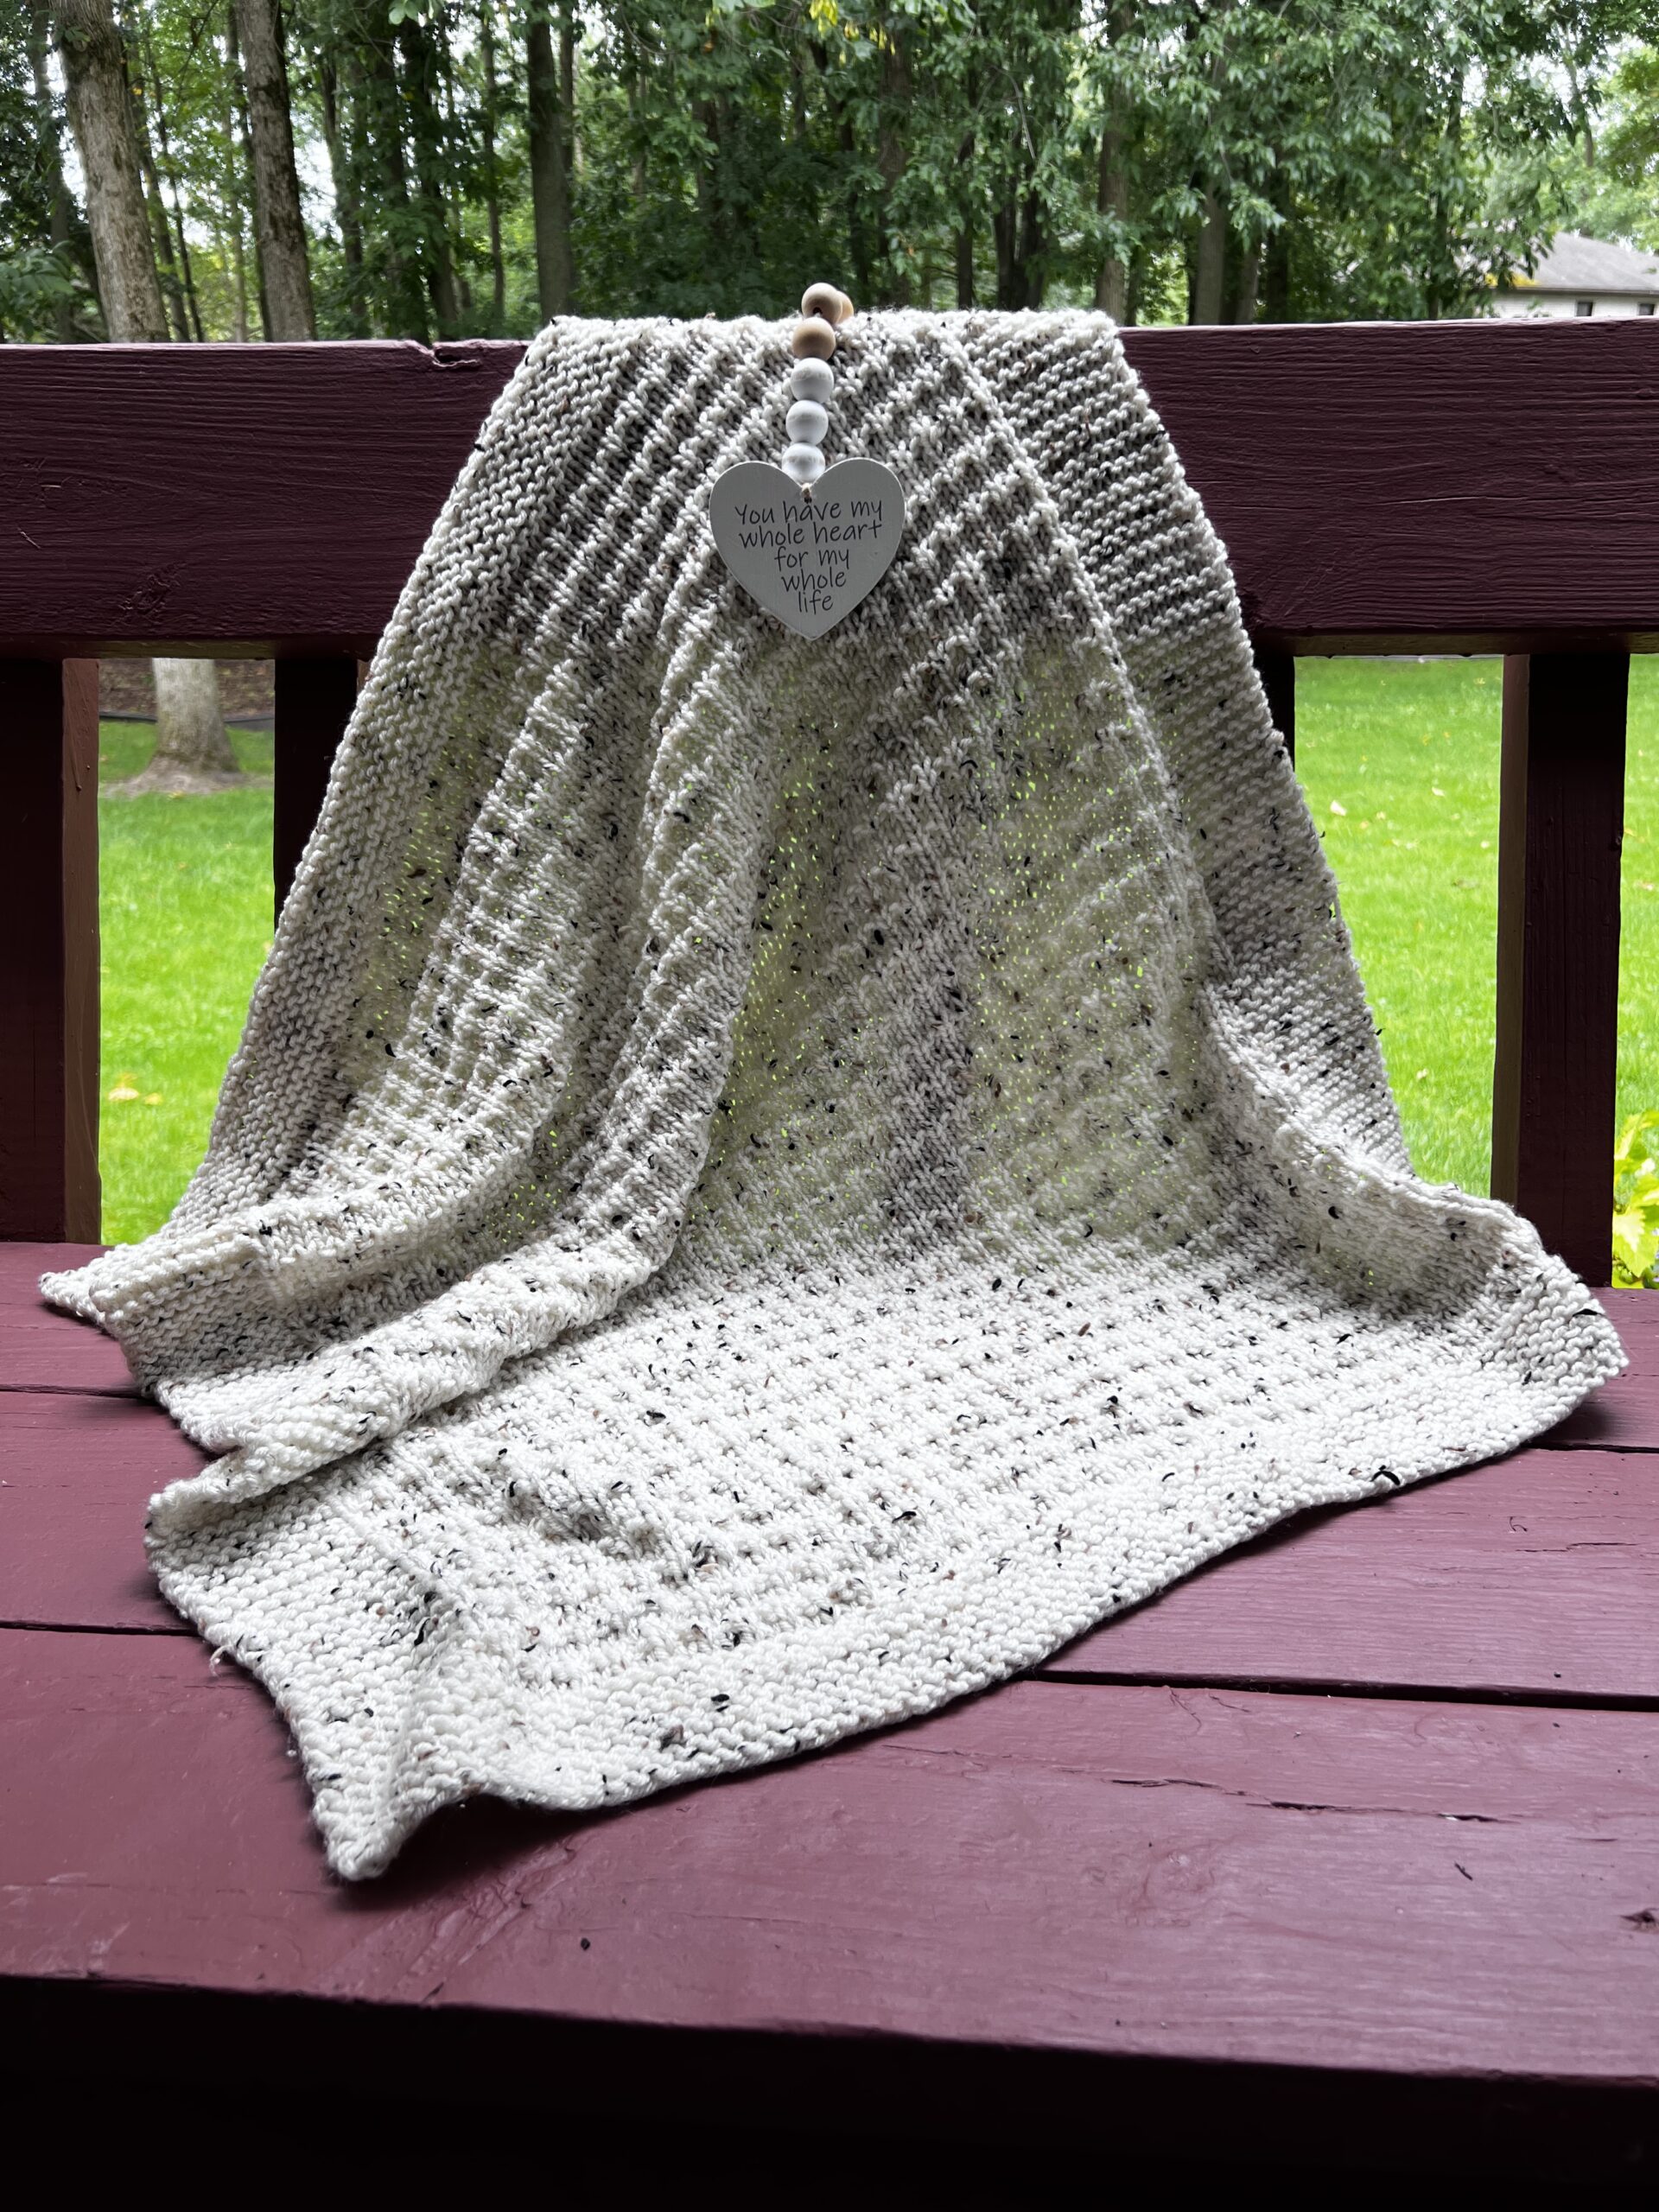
(769, 1183)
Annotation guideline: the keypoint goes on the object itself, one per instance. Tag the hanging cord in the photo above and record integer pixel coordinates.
(823, 310)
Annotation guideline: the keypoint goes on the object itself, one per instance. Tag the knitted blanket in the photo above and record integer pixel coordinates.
(771, 1183)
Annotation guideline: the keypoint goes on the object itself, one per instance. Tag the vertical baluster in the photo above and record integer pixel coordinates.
(1277, 670)
(48, 974)
(314, 700)
(1561, 821)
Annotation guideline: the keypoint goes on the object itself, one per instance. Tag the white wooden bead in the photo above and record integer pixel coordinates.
(807, 423)
(812, 380)
(804, 464)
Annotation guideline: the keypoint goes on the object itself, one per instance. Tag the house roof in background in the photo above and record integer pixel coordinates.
(1576, 263)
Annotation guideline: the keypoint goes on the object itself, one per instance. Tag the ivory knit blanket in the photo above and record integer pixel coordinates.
(769, 1183)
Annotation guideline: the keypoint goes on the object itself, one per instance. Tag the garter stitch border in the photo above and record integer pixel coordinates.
(768, 1185)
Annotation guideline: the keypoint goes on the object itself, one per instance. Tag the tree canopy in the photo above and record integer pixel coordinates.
(466, 166)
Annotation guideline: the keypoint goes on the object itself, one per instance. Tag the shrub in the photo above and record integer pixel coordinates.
(1636, 1204)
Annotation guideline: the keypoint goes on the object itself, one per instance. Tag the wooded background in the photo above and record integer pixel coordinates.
(433, 168)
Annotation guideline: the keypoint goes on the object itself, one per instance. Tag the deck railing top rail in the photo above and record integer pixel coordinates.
(1473, 487)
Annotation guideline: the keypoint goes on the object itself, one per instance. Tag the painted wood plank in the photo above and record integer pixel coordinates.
(314, 701)
(1208, 1875)
(49, 976)
(40, 1350)
(1536, 1577)
(1277, 670)
(1368, 480)
(1310, 455)
(76, 1472)
(252, 493)
(1624, 1414)
(1555, 1071)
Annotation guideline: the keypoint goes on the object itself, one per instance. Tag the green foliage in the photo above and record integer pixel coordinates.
(44, 257)
(1635, 1203)
(35, 282)
(1321, 158)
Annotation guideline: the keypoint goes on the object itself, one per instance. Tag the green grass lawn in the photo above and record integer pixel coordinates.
(1399, 762)
(186, 912)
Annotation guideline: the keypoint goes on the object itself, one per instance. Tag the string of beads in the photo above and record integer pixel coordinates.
(823, 309)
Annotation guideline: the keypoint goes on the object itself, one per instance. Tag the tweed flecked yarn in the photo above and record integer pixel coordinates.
(769, 1183)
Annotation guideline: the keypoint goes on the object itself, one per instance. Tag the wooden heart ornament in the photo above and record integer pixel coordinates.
(808, 557)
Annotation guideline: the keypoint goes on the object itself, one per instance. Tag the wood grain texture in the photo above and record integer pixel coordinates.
(1369, 481)
(49, 974)
(44, 1350)
(1385, 479)
(314, 703)
(273, 495)
(1536, 1577)
(1624, 1414)
(1192, 1874)
(79, 1471)
(1555, 1067)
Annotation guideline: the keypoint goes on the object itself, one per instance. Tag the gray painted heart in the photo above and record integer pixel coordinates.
(808, 561)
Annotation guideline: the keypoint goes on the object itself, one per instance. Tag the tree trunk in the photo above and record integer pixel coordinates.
(892, 155)
(345, 198)
(45, 111)
(636, 129)
(382, 131)
(166, 263)
(1249, 286)
(1112, 186)
(1212, 262)
(491, 178)
(1005, 236)
(1275, 256)
(278, 221)
(232, 213)
(100, 114)
(420, 97)
(1033, 244)
(245, 135)
(568, 94)
(549, 175)
(860, 257)
(193, 753)
(167, 174)
(965, 238)
(1112, 199)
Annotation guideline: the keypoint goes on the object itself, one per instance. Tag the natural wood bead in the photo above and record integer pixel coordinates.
(814, 340)
(824, 301)
(847, 309)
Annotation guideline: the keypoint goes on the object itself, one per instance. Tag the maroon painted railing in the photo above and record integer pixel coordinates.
(1403, 487)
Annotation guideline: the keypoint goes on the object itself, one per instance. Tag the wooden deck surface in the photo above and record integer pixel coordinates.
(1369, 1811)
